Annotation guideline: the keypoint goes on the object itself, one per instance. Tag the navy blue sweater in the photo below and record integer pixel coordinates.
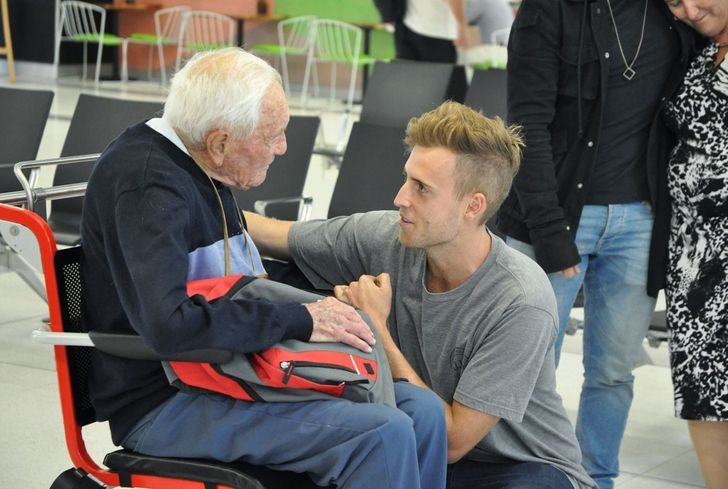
(151, 222)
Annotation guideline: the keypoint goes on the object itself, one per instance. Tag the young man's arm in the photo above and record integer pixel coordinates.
(269, 235)
(465, 426)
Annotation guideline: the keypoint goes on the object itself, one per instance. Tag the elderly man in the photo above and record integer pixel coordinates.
(465, 315)
(158, 212)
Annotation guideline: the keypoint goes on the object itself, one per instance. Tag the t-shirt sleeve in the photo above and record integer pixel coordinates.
(501, 373)
(342, 249)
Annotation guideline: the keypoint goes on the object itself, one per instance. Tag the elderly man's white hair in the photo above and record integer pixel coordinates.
(220, 89)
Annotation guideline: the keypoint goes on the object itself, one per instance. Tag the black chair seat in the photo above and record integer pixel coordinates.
(238, 475)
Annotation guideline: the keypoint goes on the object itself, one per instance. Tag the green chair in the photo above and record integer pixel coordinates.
(294, 36)
(83, 22)
(336, 43)
(167, 24)
(204, 31)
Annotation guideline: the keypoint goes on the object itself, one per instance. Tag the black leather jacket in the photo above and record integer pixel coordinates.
(556, 88)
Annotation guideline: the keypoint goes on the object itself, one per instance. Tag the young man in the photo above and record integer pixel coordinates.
(459, 311)
(158, 213)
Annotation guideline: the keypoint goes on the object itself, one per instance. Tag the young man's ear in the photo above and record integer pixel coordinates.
(215, 143)
(477, 205)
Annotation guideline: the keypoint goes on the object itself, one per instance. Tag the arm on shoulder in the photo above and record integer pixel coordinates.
(270, 235)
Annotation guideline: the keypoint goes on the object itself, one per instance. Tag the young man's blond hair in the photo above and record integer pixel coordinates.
(488, 152)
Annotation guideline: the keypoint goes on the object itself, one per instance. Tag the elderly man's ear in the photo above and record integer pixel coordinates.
(216, 142)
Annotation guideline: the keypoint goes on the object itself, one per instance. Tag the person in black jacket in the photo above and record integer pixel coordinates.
(158, 213)
(586, 80)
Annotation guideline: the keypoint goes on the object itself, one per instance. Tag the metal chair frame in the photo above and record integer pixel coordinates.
(78, 21)
(202, 30)
(167, 25)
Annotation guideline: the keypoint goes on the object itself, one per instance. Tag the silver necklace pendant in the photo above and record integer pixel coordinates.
(629, 73)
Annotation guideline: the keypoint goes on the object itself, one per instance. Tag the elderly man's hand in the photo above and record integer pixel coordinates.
(335, 321)
(372, 295)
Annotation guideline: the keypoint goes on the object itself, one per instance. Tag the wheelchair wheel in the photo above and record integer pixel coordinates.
(75, 479)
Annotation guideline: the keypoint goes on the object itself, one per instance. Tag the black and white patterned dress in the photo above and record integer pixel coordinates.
(697, 280)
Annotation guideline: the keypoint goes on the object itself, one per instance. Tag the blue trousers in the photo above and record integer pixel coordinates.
(352, 445)
(614, 245)
(467, 474)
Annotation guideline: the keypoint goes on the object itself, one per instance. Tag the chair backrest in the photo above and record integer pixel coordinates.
(488, 93)
(82, 19)
(287, 175)
(168, 22)
(335, 40)
(23, 115)
(203, 30)
(371, 170)
(95, 123)
(70, 298)
(295, 33)
(400, 90)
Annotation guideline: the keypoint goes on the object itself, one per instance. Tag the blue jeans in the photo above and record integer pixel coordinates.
(467, 474)
(351, 445)
(614, 245)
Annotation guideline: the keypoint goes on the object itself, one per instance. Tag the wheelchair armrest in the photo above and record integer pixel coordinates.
(128, 346)
(304, 211)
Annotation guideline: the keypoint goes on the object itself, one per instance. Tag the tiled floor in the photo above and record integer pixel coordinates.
(656, 452)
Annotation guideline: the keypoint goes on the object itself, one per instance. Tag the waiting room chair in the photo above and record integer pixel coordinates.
(488, 93)
(23, 115)
(371, 170)
(294, 36)
(167, 24)
(202, 31)
(281, 195)
(95, 123)
(336, 43)
(85, 23)
(400, 90)
(62, 271)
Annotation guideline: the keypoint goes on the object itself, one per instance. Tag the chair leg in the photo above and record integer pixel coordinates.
(306, 75)
(98, 64)
(85, 54)
(162, 64)
(332, 86)
(316, 86)
(284, 70)
(125, 61)
(149, 62)
(179, 59)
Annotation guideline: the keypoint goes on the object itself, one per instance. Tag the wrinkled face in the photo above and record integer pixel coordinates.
(708, 17)
(246, 160)
(431, 215)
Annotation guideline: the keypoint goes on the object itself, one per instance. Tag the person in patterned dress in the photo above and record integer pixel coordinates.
(697, 278)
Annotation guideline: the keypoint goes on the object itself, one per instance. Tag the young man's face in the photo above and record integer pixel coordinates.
(431, 214)
(246, 160)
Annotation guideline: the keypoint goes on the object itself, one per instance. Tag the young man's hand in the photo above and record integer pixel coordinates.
(372, 295)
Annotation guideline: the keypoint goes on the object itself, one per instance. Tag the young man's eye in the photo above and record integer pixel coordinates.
(673, 3)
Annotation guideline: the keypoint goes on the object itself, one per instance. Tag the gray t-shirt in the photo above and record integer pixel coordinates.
(487, 344)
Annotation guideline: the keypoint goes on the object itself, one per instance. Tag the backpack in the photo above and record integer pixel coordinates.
(291, 370)
(391, 10)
